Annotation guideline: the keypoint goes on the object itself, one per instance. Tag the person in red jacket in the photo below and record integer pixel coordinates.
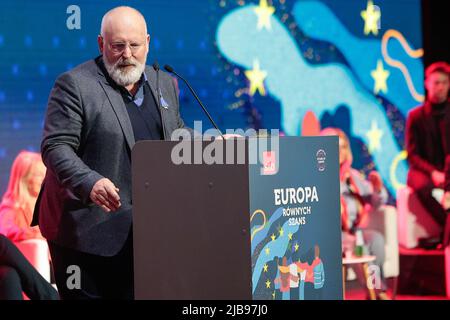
(16, 208)
(428, 142)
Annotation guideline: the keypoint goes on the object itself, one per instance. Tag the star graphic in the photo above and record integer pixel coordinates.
(374, 135)
(273, 237)
(296, 247)
(290, 236)
(281, 232)
(380, 76)
(265, 267)
(264, 12)
(256, 77)
(371, 17)
(268, 284)
(273, 295)
(267, 251)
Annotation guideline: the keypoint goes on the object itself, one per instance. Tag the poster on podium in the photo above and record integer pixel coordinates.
(295, 220)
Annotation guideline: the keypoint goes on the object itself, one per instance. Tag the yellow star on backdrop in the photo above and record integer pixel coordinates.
(374, 135)
(296, 247)
(268, 283)
(265, 267)
(264, 12)
(267, 251)
(281, 232)
(273, 295)
(380, 76)
(290, 236)
(256, 77)
(273, 237)
(371, 18)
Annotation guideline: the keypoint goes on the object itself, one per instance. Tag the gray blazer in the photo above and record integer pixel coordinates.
(88, 136)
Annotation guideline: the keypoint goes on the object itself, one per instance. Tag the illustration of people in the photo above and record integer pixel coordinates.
(277, 284)
(284, 279)
(315, 276)
(319, 272)
(291, 278)
(294, 281)
(302, 269)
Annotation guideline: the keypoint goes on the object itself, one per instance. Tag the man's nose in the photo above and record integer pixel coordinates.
(127, 52)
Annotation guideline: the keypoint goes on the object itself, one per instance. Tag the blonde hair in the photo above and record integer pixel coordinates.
(17, 195)
(330, 131)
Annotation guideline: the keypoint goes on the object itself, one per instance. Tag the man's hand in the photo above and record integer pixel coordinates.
(375, 180)
(438, 178)
(105, 194)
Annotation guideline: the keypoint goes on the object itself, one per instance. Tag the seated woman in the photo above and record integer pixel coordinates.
(16, 208)
(359, 197)
(17, 275)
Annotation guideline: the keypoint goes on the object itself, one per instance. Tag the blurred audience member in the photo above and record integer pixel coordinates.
(16, 208)
(359, 198)
(428, 142)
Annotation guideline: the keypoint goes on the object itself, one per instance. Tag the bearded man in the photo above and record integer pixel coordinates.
(96, 113)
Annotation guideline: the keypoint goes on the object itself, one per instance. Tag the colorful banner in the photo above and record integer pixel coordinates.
(295, 220)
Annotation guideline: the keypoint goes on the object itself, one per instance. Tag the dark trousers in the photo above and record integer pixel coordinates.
(82, 275)
(295, 293)
(17, 275)
(311, 293)
(422, 185)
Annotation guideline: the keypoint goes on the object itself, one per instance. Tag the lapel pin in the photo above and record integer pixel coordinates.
(164, 104)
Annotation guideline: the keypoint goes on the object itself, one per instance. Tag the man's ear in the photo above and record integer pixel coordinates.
(148, 43)
(100, 43)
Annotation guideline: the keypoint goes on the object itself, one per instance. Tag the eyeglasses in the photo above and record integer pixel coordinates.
(119, 47)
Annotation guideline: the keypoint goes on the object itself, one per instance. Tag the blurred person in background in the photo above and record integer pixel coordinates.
(359, 198)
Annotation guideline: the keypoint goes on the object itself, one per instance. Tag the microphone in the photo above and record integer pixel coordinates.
(158, 96)
(171, 70)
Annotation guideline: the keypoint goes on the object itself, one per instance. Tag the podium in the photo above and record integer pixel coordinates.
(220, 231)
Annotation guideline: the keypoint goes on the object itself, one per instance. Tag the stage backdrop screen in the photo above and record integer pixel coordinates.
(354, 64)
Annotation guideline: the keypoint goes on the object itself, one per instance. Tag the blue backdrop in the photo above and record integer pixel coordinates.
(355, 63)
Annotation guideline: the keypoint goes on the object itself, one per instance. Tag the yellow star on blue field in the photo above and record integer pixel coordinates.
(281, 232)
(296, 247)
(380, 76)
(290, 236)
(273, 295)
(268, 283)
(265, 267)
(264, 12)
(374, 135)
(267, 251)
(371, 18)
(256, 77)
(273, 237)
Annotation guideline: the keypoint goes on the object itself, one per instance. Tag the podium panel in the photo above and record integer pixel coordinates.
(268, 229)
(190, 227)
(296, 223)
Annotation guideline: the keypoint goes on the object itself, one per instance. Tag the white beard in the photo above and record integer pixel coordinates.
(121, 76)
